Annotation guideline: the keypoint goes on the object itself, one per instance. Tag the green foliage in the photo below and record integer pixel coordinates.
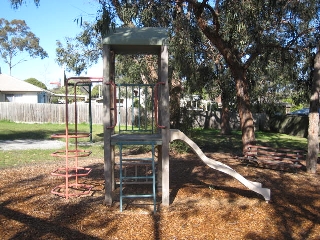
(36, 82)
(237, 35)
(137, 69)
(294, 106)
(264, 28)
(18, 3)
(71, 91)
(80, 52)
(105, 19)
(16, 38)
(96, 90)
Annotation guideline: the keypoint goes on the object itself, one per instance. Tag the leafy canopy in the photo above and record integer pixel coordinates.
(36, 82)
(17, 38)
(80, 52)
(18, 3)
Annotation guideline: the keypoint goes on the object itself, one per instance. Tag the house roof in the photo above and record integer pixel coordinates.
(11, 84)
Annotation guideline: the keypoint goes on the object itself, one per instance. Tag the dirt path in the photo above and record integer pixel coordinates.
(24, 144)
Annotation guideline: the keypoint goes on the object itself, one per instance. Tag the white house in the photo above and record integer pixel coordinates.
(15, 90)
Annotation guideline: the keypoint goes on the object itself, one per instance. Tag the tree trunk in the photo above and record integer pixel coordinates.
(175, 113)
(225, 117)
(243, 102)
(207, 119)
(238, 71)
(313, 130)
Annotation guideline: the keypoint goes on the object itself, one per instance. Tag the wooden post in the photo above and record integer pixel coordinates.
(165, 121)
(159, 173)
(112, 66)
(106, 90)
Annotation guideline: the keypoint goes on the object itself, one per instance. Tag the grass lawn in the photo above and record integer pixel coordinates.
(13, 131)
(213, 140)
(208, 140)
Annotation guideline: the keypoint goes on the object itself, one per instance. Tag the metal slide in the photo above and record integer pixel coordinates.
(176, 134)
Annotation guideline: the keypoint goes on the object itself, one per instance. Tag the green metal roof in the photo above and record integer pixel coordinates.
(136, 40)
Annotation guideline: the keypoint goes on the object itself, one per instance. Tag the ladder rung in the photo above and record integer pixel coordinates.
(135, 164)
(133, 183)
(133, 178)
(137, 159)
(138, 196)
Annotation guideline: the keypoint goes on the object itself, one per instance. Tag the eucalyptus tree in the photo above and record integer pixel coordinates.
(189, 51)
(16, 39)
(244, 30)
(272, 78)
(80, 52)
(240, 30)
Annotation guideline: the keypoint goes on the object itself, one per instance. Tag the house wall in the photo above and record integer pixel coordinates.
(43, 98)
(22, 97)
(2, 97)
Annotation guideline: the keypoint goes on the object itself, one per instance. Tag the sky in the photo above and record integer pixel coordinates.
(52, 20)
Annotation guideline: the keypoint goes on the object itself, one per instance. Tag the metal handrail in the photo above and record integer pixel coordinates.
(156, 104)
(114, 104)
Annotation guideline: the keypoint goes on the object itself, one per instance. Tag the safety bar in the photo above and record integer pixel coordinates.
(86, 78)
(156, 104)
(114, 104)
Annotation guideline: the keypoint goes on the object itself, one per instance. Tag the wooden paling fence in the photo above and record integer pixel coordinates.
(55, 113)
(49, 113)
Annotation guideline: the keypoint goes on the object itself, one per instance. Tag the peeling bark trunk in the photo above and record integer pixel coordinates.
(313, 143)
(243, 101)
(313, 130)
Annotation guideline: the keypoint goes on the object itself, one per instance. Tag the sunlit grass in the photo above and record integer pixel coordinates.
(43, 131)
(208, 140)
(279, 140)
(212, 140)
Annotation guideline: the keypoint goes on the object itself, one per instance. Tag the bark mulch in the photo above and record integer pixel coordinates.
(206, 204)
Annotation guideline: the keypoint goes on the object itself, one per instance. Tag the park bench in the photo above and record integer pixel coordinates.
(284, 159)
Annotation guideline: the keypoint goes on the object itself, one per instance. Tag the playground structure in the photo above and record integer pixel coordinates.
(72, 169)
(151, 41)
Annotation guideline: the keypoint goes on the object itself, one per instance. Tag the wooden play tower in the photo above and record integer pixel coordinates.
(150, 41)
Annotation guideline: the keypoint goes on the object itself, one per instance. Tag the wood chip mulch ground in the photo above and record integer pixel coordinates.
(206, 204)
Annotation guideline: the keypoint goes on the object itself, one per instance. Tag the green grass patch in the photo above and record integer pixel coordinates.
(13, 131)
(212, 140)
(279, 140)
(13, 158)
(208, 140)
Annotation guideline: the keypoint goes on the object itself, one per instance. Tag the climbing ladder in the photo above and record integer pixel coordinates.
(144, 172)
(135, 121)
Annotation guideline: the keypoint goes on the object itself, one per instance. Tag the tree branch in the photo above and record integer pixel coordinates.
(20, 61)
(199, 9)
